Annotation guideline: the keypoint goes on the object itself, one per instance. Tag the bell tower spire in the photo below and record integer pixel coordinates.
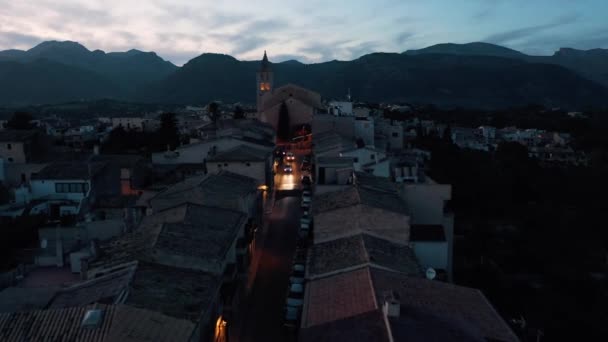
(265, 80)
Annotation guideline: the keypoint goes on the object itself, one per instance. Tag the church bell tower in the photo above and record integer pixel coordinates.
(265, 80)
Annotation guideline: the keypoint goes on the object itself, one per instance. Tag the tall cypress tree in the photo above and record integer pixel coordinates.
(283, 129)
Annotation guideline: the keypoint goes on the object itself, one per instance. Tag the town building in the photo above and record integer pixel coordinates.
(302, 104)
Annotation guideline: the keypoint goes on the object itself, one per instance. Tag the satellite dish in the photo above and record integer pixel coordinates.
(430, 273)
(43, 243)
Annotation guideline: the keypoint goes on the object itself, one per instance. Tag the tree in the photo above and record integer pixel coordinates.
(447, 134)
(168, 134)
(283, 127)
(20, 120)
(213, 110)
(239, 113)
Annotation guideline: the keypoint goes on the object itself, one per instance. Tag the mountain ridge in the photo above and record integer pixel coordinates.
(474, 74)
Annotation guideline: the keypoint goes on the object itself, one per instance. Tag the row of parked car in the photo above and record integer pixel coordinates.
(295, 291)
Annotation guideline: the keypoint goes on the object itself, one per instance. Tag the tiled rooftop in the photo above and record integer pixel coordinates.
(338, 297)
(175, 292)
(463, 307)
(242, 153)
(373, 197)
(69, 171)
(363, 179)
(191, 236)
(365, 327)
(223, 190)
(118, 323)
(105, 289)
(361, 250)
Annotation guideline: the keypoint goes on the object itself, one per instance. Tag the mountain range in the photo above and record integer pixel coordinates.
(479, 75)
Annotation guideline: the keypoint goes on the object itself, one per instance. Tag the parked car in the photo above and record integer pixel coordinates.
(287, 168)
(291, 318)
(304, 230)
(290, 156)
(300, 256)
(297, 274)
(295, 296)
(305, 206)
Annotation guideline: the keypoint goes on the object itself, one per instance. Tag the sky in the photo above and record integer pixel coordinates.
(307, 30)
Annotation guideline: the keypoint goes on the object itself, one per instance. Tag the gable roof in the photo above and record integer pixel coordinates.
(280, 94)
(359, 251)
(175, 292)
(119, 323)
(461, 310)
(218, 190)
(350, 304)
(190, 236)
(365, 327)
(354, 195)
(337, 297)
(106, 289)
(241, 153)
(69, 171)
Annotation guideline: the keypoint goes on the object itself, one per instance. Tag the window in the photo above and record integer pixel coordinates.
(372, 156)
(9, 146)
(10, 160)
(248, 164)
(395, 134)
(62, 188)
(219, 166)
(225, 164)
(356, 160)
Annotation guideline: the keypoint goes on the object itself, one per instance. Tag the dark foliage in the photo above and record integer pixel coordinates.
(239, 113)
(20, 120)
(531, 236)
(284, 128)
(167, 134)
(214, 111)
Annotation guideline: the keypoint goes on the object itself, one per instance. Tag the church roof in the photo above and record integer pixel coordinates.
(284, 93)
(265, 66)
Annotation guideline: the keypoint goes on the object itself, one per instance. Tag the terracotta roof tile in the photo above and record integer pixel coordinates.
(338, 297)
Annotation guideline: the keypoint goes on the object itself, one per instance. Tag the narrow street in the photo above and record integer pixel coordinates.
(262, 318)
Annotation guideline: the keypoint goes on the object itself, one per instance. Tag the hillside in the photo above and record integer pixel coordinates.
(469, 75)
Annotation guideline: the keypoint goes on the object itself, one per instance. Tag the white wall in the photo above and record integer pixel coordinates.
(341, 107)
(44, 188)
(432, 254)
(382, 169)
(426, 201)
(364, 129)
(364, 156)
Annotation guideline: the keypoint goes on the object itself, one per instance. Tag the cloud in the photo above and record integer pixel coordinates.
(526, 32)
(19, 40)
(403, 37)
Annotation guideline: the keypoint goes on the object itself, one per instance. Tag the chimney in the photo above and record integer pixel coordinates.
(392, 305)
